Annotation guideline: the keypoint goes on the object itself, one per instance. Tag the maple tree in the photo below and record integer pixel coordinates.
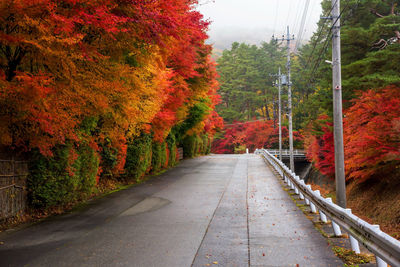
(372, 134)
(253, 135)
(318, 142)
(103, 74)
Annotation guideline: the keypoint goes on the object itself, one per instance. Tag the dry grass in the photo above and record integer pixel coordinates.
(350, 257)
(377, 202)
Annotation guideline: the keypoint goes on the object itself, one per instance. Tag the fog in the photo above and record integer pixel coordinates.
(254, 21)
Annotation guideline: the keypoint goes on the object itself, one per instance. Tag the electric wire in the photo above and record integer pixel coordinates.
(318, 39)
(325, 45)
(308, 20)
(302, 24)
(295, 19)
(276, 15)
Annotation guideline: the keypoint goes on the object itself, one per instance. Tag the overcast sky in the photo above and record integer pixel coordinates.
(246, 18)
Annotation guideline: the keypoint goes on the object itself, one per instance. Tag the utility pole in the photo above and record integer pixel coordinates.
(288, 39)
(280, 111)
(337, 107)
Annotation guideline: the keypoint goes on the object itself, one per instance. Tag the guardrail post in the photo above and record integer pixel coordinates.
(312, 206)
(335, 226)
(291, 184)
(296, 190)
(301, 194)
(307, 200)
(354, 243)
(379, 261)
(322, 215)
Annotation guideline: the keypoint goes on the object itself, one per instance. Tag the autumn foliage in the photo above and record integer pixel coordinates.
(319, 145)
(252, 135)
(102, 74)
(371, 137)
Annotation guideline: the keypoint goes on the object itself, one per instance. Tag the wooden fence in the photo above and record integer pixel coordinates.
(180, 153)
(13, 176)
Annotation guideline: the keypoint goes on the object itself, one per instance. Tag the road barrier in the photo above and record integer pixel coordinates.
(385, 247)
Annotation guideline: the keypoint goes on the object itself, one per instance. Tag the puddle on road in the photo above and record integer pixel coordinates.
(147, 205)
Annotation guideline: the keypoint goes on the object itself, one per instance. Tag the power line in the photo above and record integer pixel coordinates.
(318, 38)
(325, 46)
(308, 20)
(294, 23)
(276, 14)
(302, 24)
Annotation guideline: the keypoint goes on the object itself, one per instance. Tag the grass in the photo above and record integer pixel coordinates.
(350, 258)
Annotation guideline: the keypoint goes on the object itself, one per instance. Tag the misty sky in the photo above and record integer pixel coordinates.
(256, 20)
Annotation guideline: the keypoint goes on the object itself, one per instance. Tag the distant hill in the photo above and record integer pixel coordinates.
(222, 38)
(216, 53)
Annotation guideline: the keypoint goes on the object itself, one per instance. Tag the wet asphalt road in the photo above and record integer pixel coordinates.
(219, 210)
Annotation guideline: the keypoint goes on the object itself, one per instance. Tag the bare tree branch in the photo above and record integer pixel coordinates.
(381, 44)
(393, 8)
(373, 11)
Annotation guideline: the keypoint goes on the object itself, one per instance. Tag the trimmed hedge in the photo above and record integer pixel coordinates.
(61, 179)
(70, 175)
(194, 145)
(159, 156)
(139, 157)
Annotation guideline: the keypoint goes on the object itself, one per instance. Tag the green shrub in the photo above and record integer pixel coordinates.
(199, 145)
(59, 180)
(206, 145)
(189, 146)
(209, 145)
(159, 156)
(163, 154)
(192, 146)
(138, 158)
(109, 158)
(171, 143)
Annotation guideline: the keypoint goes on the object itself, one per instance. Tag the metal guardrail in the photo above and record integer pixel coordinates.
(287, 152)
(385, 247)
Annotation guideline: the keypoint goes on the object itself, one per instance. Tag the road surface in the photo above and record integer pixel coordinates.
(218, 210)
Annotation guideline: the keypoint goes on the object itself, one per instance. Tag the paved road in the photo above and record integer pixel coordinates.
(223, 210)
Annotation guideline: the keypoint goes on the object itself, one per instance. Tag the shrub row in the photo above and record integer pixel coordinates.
(71, 175)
